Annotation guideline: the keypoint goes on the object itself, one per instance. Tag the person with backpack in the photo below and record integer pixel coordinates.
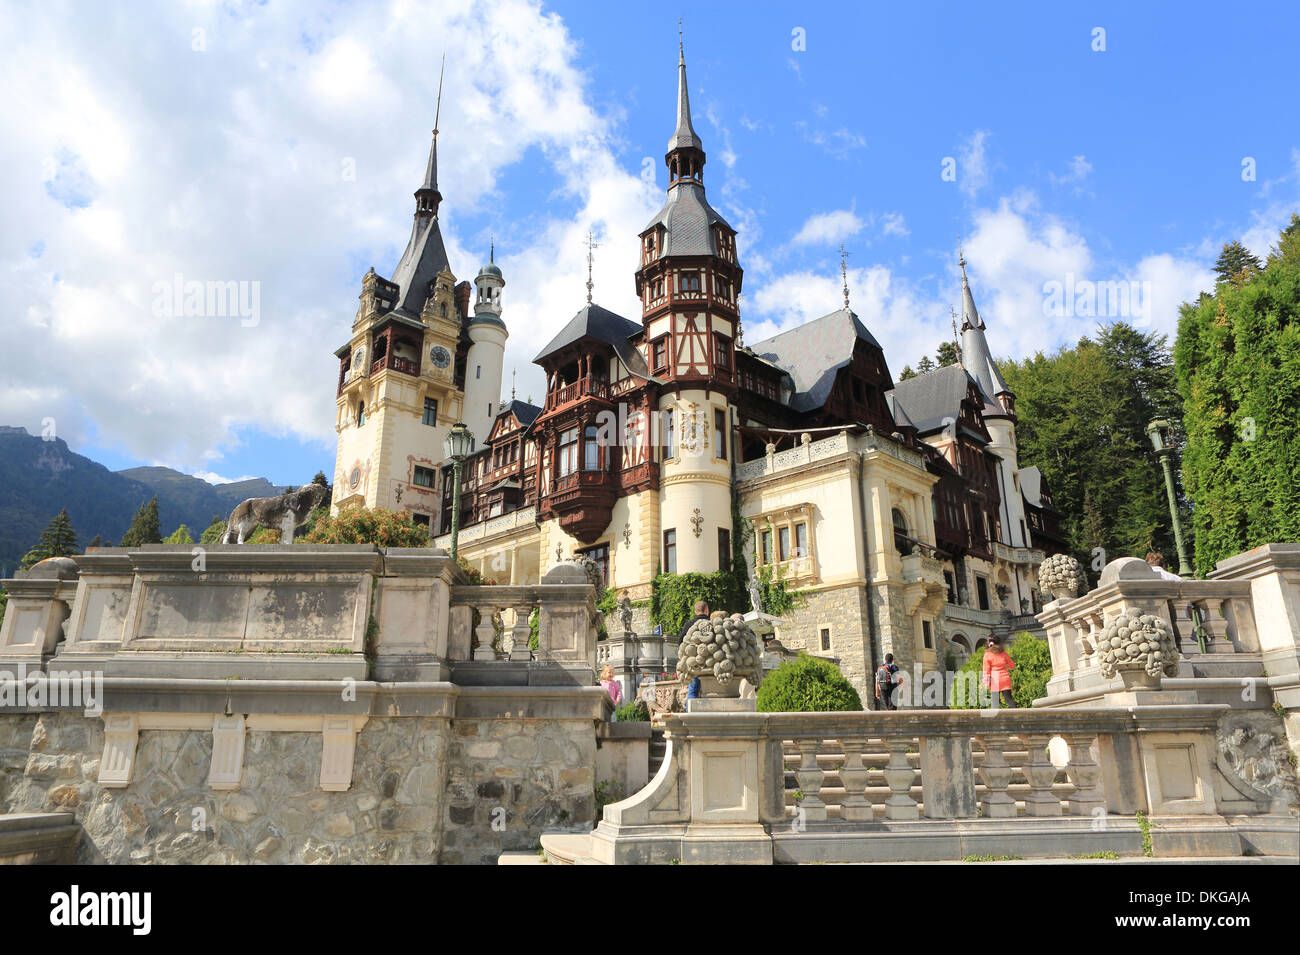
(888, 679)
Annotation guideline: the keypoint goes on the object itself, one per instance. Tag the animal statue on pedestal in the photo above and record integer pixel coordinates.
(285, 513)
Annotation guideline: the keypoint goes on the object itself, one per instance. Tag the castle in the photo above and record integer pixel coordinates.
(668, 444)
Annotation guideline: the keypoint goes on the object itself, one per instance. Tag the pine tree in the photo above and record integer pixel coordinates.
(324, 482)
(180, 536)
(925, 365)
(57, 540)
(212, 534)
(95, 541)
(906, 373)
(144, 526)
(947, 354)
(1236, 263)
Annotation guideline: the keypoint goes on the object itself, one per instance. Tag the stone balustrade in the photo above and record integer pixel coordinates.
(928, 785)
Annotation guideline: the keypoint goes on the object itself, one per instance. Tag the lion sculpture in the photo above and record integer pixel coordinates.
(286, 512)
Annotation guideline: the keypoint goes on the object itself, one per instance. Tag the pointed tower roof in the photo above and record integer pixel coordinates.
(684, 136)
(975, 355)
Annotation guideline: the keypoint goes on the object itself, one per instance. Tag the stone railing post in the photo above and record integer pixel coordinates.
(521, 633)
(810, 778)
(947, 776)
(855, 807)
(1041, 771)
(996, 773)
(485, 633)
(1084, 773)
(899, 774)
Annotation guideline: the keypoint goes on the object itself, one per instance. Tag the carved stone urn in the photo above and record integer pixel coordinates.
(1139, 647)
(721, 651)
(1062, 576)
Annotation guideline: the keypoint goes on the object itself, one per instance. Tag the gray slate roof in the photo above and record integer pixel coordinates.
(689, 219)
(930, 398)
(813, 352)
(684, 136)
(424, 258)
(524, 412)
(975, 349)
(1031, 485)
(603, 325)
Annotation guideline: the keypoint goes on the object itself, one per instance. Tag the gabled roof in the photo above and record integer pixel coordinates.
(1031, 486)
(689, 220)
(813, 352)
(524, 413)
(929, 399)
(593, 321)
(897, 410)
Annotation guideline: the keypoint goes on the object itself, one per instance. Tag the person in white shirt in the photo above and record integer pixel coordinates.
(1157, 563)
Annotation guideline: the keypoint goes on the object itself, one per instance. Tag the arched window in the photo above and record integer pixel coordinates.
(901, 536)
(590, 450)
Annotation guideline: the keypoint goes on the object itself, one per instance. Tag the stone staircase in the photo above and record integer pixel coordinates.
(658, 750)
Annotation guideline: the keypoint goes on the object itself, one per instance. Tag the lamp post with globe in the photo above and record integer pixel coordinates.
(457, 445)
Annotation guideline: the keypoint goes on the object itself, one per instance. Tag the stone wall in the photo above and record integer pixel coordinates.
(424, 790)
(844, 611)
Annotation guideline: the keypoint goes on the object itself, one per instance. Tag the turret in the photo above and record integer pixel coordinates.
(486, 357)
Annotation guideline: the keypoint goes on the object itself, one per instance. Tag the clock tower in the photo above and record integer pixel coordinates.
(402, 373)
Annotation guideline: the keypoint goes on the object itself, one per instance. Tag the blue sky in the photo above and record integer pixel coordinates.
(214, 141)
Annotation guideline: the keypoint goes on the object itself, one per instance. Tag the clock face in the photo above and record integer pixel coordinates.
(354, 478)
(440, 356)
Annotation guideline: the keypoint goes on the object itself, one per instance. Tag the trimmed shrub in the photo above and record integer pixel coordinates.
(807, 685)
(1028, 680)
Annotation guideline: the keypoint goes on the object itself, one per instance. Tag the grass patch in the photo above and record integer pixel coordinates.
(1106, 854)
(991, 858)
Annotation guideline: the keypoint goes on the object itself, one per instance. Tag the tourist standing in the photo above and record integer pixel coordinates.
(997, 673)
(701, 613)
(888, 679)
(1156, 562)
(610, 684)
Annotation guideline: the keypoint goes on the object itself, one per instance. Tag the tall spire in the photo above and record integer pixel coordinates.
(427, 197)
(685, 156)
(970, 318)
(591, 258)
(844, 275)
(975, 355)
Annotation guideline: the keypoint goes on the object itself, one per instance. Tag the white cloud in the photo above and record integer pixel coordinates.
(892, 223)
(973, 166)
(832, 226)
(143, 158)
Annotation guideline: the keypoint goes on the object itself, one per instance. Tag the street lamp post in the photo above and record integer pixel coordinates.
(1160, 433)
(458, 443)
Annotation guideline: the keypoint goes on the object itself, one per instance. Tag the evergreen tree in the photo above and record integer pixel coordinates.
(180, 536)
(925, 365)
(947, 354)
(906, 373)
(1236, 263)
(144, 526)
(57, 540)
(1083, 413)
(324, 482)
(212, 534)
(1238, 361)
(95, 541)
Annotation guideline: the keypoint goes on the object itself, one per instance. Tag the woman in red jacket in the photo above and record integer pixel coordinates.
(997, 673)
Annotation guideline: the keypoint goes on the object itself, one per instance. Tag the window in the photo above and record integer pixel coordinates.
(690, 282)
(591, 450)
(720, 434)
(801, 540)
(826, 638)
(670, 551)
(982, 591)
(430, 411)
(423, 476)
(668, 434)
(901, 537)
(952, 586)
(783, 543)
(567, 454)
(767, 547)
(724, 353)
(421, 519)
(1024, 538)
(926, 634)
(659, 354)
(600, 556)
(478, 371)
(361, 413)
(724, 548)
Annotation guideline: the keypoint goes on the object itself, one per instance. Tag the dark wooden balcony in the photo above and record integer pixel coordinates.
(582, 388)
(393, 363)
